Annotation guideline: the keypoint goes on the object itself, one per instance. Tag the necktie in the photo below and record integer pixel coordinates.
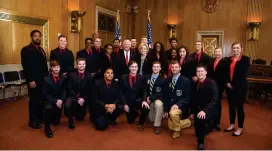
(133, 82)
(173, 83)
(151, 85)
(108, 85)
(127, 58)
(57, 80)
(89, 52)
(81, 76)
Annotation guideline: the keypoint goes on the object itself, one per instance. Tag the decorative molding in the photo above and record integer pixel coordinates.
(199, 35)
(31, 21)
(104, 11)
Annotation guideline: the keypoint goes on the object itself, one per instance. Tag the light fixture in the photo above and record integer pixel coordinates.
(172, 30)
(253, 30)
(76, 21)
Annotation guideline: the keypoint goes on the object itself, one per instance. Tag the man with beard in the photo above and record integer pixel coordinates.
(63, 55)
(54, 89)
(91, 57)
(106, 97)
(35, 68)
(78, 87)
(176, 99)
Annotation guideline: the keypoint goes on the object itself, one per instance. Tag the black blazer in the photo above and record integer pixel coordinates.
(53, 91)
(204, 59)
(34, 64)
(185, 68)
(205, 98)
(66, 59)
(136, 52)
(101, 95)
(92, 60)
(130, 95)
(179, 96)
(121, 65)
(157, 90)
(147, 65)
(79, 88)
(102, 51)
(106, 63)
(239, 81)
(219, 75)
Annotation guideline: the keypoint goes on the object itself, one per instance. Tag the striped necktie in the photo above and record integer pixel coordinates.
(151, 85)
(173, 83)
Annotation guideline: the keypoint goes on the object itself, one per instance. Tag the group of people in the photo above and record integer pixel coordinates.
(142, 82)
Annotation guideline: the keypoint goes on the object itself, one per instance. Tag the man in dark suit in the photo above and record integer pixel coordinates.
(92, 57)
(176, 99)
(132, 90)
(134, 48)
(174, 44)
(106, 98)
(153, 105)
(97, 46)
(35, 68)
(198, 57)
(116, 46)
(123, 57)
(79, 86)
(54, 89)
(204, 100)
(63, 55)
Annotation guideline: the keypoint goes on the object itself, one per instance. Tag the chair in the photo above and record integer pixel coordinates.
(12, 80)
(2, 85)
(23, 88)
(260, 61)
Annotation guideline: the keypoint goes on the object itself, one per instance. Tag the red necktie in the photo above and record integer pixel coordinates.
(56, 79)
(108, 85)
(127, 58)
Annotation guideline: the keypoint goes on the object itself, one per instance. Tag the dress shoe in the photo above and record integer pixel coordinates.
(72, 126)
(113, 123)
(140, 127)
(233, 134)
(157, 130)
(217, 127)
(49, 133)
(176, 134)
(226, 130)
(35, 125)
(200, 147)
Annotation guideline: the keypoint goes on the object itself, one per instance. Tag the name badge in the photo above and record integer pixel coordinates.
(179, 92)
(158, 89)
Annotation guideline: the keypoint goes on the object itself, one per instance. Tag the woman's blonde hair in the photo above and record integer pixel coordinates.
(141, 47)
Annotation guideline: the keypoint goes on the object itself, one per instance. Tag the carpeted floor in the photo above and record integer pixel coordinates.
(15, 134)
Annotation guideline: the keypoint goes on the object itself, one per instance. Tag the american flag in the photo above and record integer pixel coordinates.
(149, 34)
(117, 31)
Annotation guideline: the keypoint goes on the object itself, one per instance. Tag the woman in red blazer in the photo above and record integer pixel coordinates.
(237, 87)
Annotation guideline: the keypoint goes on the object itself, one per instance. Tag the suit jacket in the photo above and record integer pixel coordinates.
(219, 74)
(130, 95)
(239, 80)
(179, 96)
(53, 91)
(102, 51)
(204, 59)
(157, 90)
(106, 63)
(147, 65)
(101, 95)
(205, 98)
(185, 68)
(136, 52)
(66, 59)
(77, 87)
(121, 65)
(34, 64)
(92, 60)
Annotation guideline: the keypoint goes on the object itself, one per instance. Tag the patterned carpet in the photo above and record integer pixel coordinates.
(15, 134)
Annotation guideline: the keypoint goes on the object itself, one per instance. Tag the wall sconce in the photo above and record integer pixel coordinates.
(132, 9)
(172, 30)
(253, 30)
(76, 21)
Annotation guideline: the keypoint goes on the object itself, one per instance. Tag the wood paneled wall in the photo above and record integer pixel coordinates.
(231, 17)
